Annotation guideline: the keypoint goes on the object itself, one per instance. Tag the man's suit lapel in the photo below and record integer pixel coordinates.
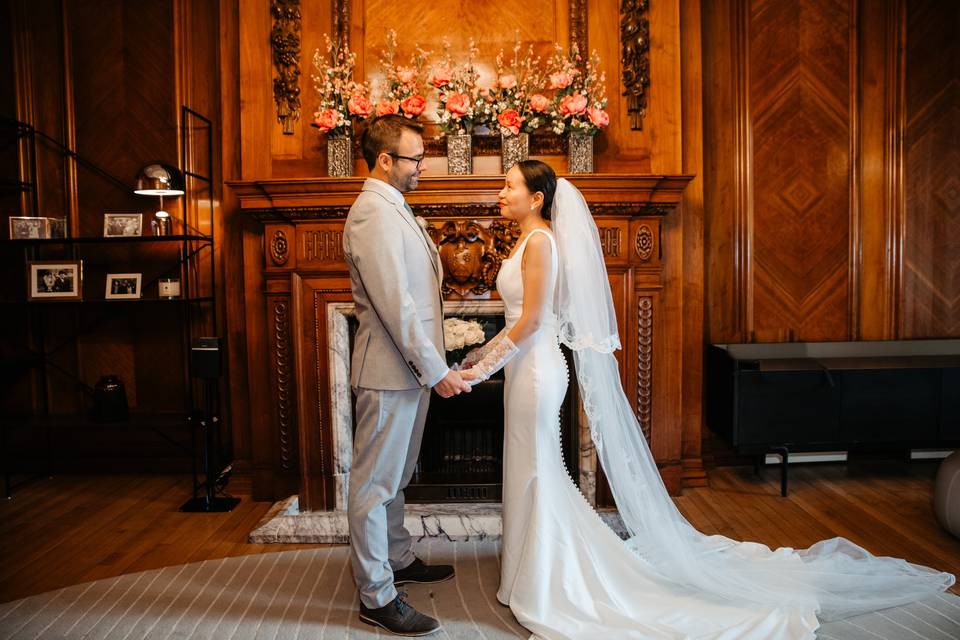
(432, 253)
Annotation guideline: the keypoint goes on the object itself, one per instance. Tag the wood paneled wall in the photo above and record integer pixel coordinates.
(105, 78)
(832, 184)
(931, 175)
(657, 148)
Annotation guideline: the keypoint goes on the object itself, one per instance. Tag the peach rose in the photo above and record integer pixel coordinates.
(458, 104)
(573, 105)
(325, 120)
(360, 106)
(539, 102)
(560, 80)
(510, 120)
(385, 107)
(441, 76)
(508, 81)
(406, 75)
(413, 106)
(598, 117)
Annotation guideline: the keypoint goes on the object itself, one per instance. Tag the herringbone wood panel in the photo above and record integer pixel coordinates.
(799, 86)
(932, 157)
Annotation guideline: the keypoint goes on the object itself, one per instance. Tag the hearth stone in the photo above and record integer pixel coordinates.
(458, 522)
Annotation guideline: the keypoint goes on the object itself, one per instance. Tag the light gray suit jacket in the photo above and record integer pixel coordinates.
(395, 275)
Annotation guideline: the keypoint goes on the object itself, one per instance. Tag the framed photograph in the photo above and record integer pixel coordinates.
(123, 286)
(121, 225)
(49, 280)
(56, 227)
(29, 228)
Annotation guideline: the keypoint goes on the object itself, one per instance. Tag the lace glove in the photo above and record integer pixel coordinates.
(476, 355)
(497, 358)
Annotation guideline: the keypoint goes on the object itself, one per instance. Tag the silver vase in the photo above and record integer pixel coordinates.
(513, 149)
(459, 154)
(579, 153)
(339, 156)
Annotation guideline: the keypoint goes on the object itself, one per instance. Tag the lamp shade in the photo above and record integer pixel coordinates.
(157, 179)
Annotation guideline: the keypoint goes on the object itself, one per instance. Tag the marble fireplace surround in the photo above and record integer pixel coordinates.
(286, 523)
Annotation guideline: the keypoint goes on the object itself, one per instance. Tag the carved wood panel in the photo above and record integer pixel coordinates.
(931, 264)
(283, 383)
(799, 96)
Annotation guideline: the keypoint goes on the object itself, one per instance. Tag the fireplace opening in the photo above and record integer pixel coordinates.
(461, 457)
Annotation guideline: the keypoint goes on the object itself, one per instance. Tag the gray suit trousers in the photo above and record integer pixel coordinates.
(385, 450)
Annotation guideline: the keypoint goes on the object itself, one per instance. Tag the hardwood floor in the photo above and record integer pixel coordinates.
(71, 529)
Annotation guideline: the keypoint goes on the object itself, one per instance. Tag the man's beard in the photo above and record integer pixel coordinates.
(409, 184)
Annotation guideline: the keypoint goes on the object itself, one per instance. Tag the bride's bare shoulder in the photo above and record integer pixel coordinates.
(537, 249)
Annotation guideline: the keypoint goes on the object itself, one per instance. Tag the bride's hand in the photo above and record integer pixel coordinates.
(472, 358)
(468, 375)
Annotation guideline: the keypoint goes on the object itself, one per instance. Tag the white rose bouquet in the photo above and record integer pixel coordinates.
(460, 336)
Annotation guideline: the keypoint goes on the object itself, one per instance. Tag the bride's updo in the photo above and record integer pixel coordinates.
(538, 176)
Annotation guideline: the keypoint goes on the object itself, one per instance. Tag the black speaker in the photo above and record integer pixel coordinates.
(205, 358)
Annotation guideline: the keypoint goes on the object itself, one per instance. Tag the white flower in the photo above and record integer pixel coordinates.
(459, 333)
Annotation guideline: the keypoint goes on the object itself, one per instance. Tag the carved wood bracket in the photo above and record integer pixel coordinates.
(635, 58)
(285, 40)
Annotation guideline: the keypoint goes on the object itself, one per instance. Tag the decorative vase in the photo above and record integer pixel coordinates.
(459, 154)
(513, 149)
(579, 153)
(339, 156)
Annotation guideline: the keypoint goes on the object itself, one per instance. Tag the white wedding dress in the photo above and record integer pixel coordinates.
(567, 576)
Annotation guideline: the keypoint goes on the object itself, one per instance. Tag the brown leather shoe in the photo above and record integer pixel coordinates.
(421, 573)
(399, 618)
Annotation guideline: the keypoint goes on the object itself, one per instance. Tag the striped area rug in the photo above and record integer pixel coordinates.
(310, 594)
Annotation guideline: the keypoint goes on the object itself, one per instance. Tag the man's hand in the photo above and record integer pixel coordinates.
(451, 384)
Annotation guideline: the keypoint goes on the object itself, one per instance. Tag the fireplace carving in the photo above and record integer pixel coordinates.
(304, 446)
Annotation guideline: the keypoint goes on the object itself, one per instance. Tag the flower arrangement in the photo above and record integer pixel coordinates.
(404, 87)
(460, 336)
(460, 99)
(580, 102)
(343, 101)
(514, 98)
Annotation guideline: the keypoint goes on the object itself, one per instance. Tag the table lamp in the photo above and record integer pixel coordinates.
(158, 179)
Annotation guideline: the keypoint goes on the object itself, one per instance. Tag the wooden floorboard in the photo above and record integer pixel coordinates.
(67, 530)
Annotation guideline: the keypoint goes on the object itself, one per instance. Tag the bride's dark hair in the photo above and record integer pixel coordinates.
(538, 176)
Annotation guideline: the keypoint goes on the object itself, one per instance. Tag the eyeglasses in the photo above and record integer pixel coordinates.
(419, 160)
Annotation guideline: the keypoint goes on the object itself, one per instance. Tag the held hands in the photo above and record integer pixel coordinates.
(451, 385)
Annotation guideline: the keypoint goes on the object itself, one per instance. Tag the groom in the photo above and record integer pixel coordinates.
(395, 276)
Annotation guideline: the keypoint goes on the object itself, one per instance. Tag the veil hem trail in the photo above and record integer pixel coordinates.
(835, 577)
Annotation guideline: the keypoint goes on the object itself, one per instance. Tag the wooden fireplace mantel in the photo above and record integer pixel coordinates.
(301, 273)
(292, 199)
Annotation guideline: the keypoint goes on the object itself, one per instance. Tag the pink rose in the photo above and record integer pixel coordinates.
(560, 80)
(573, 105)
(539, 103)
(359, 106)
(508, 81)
(598, 117)
(510, 120)
(413, 106)
(441, 76)
(325, 120)
(406, 75)
(458, 104)
(383, 108)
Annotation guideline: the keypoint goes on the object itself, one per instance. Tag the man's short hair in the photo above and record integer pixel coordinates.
(383, 135)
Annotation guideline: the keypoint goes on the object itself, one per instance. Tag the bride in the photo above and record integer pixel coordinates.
(564, 573)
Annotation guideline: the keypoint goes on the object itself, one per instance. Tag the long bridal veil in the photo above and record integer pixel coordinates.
(834, 577)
